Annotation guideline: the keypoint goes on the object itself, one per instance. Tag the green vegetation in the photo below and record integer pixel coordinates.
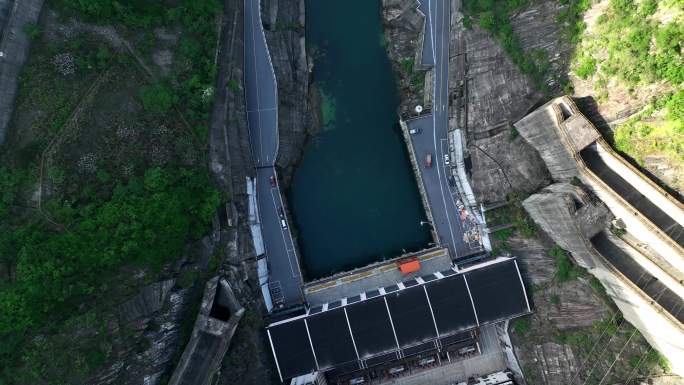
(513, 133)
(653, 357)
(565, 269)
(158, 98)
(494, 16)
(586, 67)
(571, 18)
(522, 222)
(635, 45)
(123, 195)
(144, 222)
(521, 326)
(608, 339)
(554, 299)
(658, 129)
(502, 237)
(416, 79)
(233, 86)
(32, 31)
(514, 213)
(618, 231)
(632, 45)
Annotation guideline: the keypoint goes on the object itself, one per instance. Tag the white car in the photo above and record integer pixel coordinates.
(415, 131)
(446, 159)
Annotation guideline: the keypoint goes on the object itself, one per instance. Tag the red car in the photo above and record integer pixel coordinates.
(273, 181)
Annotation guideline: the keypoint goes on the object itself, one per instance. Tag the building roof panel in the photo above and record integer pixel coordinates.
(331, 338)
(371, 327)
(497, 291)
(451, 305)
(292, 349)
(411, 316)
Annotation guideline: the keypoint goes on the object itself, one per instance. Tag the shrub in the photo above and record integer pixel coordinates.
(521, 326)
(554, 299)
(158, 98)
(586, 67)
(565, 269)
(33, 31)
(233, 85)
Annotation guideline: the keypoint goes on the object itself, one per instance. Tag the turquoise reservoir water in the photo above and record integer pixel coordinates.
(354, 198)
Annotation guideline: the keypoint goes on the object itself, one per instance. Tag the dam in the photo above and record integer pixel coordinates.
(617, 223)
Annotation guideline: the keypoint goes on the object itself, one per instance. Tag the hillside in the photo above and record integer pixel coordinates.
(629, 59)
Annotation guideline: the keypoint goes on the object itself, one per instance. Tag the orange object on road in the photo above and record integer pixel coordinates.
(409, 267)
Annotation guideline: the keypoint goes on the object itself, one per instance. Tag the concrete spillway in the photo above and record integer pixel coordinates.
(634, 197)
(641, 266)
(639, 276)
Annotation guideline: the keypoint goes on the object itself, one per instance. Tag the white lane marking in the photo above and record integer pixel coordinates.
(256, 73)
(438, 91)
(289, 247)
(263, 109)
(451, 195)
(351, 333)
(471, 299)
(432, 313)
(274, 354)
(392, 323)
(522, 284)
(311, 343)
(282, 231)
(432, 32)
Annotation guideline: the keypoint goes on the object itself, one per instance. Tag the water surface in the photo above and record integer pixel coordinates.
(354, 198)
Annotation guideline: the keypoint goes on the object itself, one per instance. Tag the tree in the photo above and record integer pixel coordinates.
(158, 98)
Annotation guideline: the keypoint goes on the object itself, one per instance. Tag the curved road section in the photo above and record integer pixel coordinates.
(261, 94)
(433, 139)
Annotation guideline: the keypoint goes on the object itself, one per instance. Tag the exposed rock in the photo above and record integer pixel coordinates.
(216, 322)
(284, 27)
(147, 332)
(569, 216)
(558, 306)
(557, 362)
(504, 163)
(403, 28)
(163, 58)
(489, 93)
(14, 46)
(150, 300)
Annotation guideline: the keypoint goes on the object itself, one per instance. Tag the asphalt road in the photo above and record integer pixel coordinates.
(433, 137)
(261, 94)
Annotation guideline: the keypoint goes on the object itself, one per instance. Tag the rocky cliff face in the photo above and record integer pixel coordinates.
(248, 359)
(570, 216)
(490, 93)
(560, 307)
(285, 34)
(403, 28)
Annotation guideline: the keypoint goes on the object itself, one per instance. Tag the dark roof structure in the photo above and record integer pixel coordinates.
(384, 325)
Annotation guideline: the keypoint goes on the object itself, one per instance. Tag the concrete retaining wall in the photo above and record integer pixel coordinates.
(417, 172)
